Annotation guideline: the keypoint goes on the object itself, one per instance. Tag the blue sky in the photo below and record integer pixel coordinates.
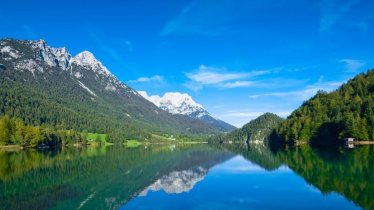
(237, 58)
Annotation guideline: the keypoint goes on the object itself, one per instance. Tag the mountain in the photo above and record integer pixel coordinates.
(261, 127)
(258, 129)
(178, 181)
(182, 103)
(48, 86)
(329, 117)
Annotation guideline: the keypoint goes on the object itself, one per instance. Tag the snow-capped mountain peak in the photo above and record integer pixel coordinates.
(178, 99)
(44, 55)
(87, 59)
(177, 103)
(182, 103)
(62, 58)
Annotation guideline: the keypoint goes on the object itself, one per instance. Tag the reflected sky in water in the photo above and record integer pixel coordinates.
(240, 184)
(187, 177)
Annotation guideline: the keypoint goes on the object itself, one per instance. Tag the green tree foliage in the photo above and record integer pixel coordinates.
(257, 129)
(328, 117)
(14, 131)
(349, 173)
(6, 129)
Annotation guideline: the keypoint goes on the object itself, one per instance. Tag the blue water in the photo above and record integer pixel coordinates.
(239, 184)
(187, 177)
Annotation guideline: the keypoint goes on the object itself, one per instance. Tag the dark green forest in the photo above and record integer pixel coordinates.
(327, 118)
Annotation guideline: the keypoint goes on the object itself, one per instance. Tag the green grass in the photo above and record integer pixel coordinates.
(95, 136)
(133, 143)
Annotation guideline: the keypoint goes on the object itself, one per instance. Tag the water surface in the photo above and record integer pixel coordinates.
(186, 177)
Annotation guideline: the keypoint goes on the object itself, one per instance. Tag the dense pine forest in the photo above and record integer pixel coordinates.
(329, 117)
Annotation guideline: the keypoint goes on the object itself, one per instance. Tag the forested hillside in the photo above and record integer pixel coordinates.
(328, 117)
(257, 129)
(42, 85)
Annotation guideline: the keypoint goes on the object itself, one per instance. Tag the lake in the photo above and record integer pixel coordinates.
(195, 176)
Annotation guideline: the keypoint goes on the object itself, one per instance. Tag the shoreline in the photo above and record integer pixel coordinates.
(15, 147)
(11, 148)
(363, 142)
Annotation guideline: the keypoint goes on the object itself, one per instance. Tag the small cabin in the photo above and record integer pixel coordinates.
(349, 140)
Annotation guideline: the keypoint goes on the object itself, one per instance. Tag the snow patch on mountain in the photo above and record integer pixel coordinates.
(110, 87)
(182, 103)
(60, 57)
(87, 59)
(78, 75)
(86, 88)
(12, 53)
(177, 103)
(29, 65)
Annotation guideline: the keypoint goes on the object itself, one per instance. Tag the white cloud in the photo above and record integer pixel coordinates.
(238, 84)
(253, 115)
(155, 78)
(352, 65)
(193, 85)
(211, 75)
(242, 116)
(154, 98)
(304, 94)
(219, 77)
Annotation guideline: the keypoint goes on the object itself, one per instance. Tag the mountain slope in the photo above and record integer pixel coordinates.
(328, 117)
(182, 103)
(258, 129)
(261, 127)
(44, 85)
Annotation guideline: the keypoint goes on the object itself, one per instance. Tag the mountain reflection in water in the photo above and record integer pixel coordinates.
(177, 181)
(187, 177)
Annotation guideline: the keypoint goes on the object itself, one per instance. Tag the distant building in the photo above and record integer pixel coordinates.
(349, 140)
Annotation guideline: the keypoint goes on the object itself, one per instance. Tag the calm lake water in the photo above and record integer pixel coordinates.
(187, 177)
